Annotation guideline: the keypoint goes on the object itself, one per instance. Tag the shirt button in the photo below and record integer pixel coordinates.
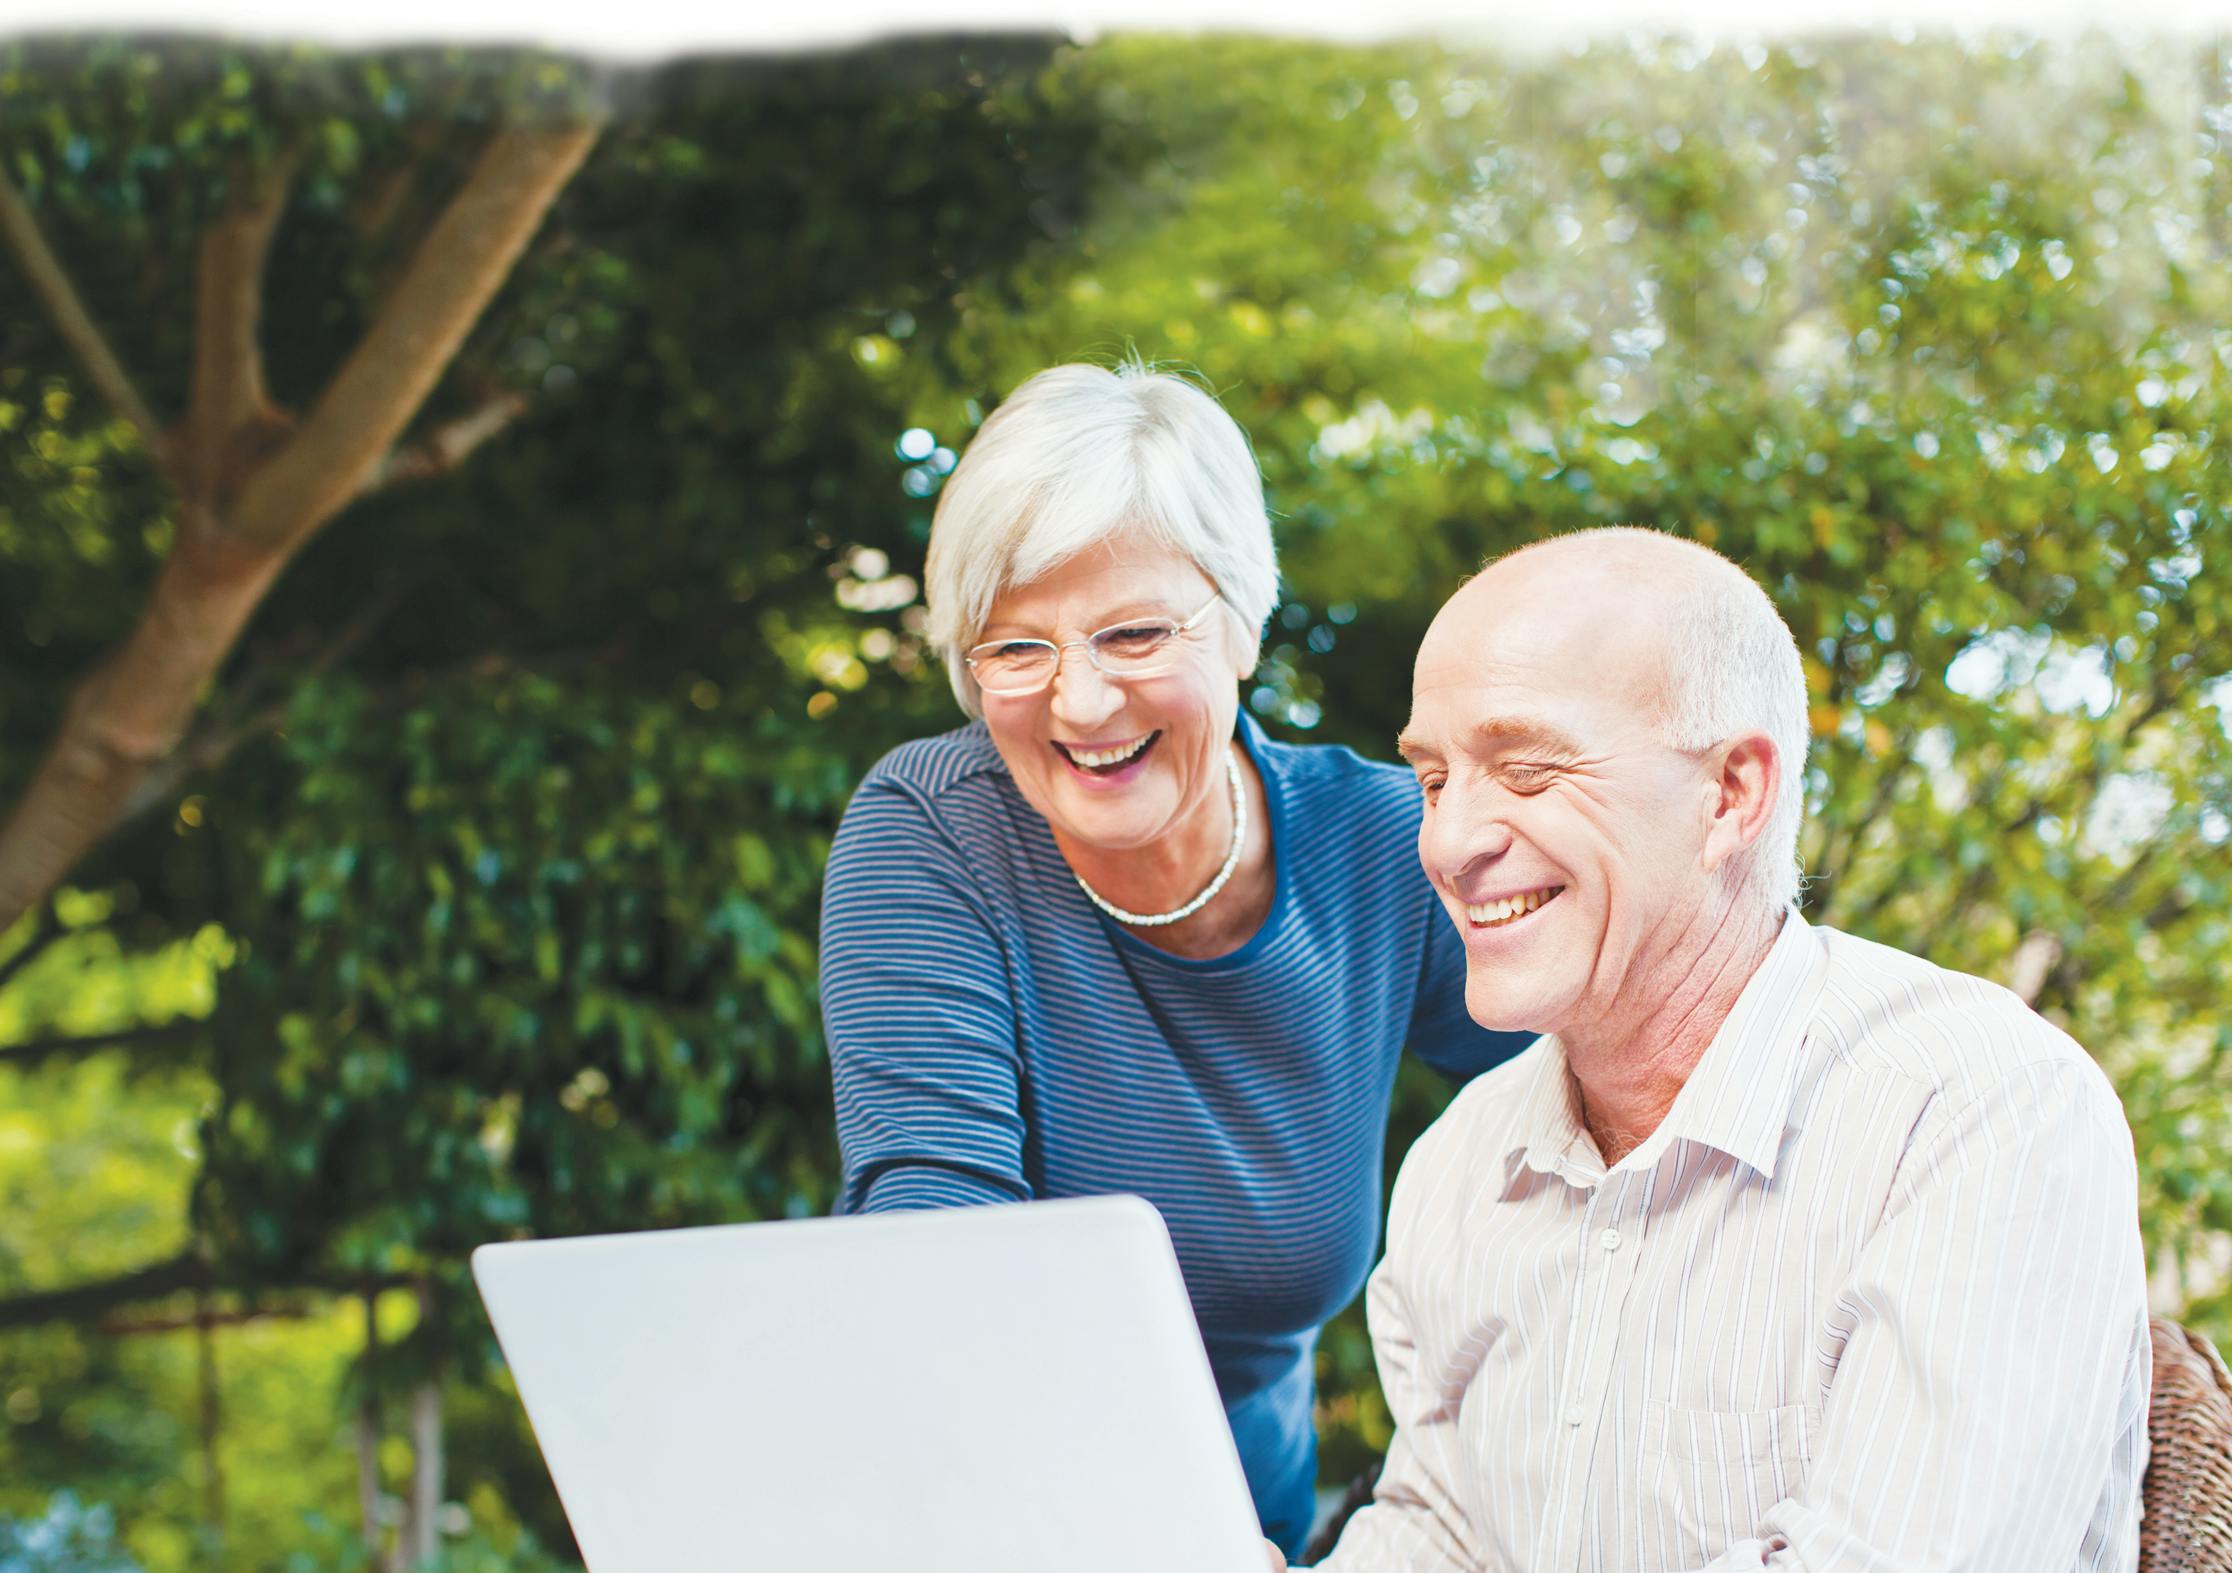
(1610, 1239)
(1573, 1414)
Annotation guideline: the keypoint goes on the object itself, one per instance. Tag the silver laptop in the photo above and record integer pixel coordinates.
(1015, 1389)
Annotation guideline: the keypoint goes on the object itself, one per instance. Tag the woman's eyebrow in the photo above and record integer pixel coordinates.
(1126, 611)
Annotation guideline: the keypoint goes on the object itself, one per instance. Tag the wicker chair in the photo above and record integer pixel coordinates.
(2187, 1494)
(2186, 1497)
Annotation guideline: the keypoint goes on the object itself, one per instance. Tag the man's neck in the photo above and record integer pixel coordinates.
(1630, 1075)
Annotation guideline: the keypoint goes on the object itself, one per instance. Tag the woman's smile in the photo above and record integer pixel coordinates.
(1107, 764)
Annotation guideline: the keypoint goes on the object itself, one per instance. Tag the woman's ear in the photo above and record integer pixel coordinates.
(1243, 644)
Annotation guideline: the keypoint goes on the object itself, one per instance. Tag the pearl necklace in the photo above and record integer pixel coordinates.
(1231, 862)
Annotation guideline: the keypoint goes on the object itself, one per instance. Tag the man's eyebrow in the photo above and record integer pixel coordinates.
(1515, 733)
(1492, 737)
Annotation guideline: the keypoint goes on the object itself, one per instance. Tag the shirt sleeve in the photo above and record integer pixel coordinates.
(1994, 1379)
(918, 1015)
(1442, 1031)
(1415, 1522)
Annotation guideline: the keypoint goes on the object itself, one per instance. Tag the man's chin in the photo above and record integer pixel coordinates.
(1501, 1016)
(1497, 1006)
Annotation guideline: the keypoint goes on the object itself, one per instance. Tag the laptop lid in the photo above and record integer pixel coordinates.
(1009, 1389)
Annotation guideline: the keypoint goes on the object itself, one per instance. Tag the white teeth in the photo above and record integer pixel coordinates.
(1107, 756)
(1494, 912)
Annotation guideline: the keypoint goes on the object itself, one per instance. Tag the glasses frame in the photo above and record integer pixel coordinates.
(1057, 646)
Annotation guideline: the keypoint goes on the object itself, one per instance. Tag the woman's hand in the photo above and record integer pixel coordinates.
(1278, 1557)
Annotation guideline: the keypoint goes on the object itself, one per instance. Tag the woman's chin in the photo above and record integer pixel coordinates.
(1110, 819)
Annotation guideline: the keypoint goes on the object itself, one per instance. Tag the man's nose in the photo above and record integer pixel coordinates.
(1084, 695)
(1463, 830)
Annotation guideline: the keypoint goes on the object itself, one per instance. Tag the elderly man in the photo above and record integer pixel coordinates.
(1782, 1249)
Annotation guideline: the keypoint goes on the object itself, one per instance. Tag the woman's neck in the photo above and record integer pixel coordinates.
(1177, 867)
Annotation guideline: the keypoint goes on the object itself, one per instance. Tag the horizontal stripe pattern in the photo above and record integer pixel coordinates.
(994, 1038)
(1872, 1297)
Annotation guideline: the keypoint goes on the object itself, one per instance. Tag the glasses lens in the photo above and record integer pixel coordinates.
(1011, 665)
(1134, 647)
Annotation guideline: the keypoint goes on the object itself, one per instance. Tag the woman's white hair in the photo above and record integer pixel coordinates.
(1732, 667)
(1079, 455)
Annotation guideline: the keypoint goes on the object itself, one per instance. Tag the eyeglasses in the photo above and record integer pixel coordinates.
(1139, 648)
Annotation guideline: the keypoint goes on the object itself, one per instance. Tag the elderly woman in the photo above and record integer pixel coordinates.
(1110, 937)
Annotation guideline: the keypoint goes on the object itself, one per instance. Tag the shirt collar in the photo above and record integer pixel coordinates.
(1549, 1130)
(1738, 1098)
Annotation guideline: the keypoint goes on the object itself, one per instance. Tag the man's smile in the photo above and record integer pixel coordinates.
(1504, 911)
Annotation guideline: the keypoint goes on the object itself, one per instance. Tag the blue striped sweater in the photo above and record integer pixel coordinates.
(994, 1038)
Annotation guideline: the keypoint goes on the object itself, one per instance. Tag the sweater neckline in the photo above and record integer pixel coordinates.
(1275, 803)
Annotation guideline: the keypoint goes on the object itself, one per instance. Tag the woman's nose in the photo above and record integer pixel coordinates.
(1083, 693)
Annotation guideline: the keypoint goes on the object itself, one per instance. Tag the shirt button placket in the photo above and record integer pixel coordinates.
(1557, 1537)
(1594, 1360)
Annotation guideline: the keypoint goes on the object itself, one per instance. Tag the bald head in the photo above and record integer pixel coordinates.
(1677, 630)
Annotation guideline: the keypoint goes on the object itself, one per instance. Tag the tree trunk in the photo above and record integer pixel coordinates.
(368, 1444)
(212, 1423)
(426, 1472)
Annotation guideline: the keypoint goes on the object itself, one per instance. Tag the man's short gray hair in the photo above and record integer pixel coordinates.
(1732, 667)
(1079, 455)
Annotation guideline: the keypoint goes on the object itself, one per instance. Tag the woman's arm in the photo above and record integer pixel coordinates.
(918, 1016)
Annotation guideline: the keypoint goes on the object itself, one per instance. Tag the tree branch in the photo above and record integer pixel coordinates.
(130, 712)
(167, 1034)
(457, 269)
(2036, 956)
(118, 1326)
(1822, 886)
(2081, 787)
(52, 282)
(212, 745)
(84, 1302)
(229, 417)
(95, 1301)
(44, 932)
(447, 446)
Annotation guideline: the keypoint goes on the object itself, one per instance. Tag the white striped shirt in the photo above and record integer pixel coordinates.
(1871, 1297)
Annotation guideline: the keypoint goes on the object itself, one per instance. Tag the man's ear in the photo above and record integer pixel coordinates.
(1741, 796)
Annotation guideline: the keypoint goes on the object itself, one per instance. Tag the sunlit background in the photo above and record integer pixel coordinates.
(478, 899)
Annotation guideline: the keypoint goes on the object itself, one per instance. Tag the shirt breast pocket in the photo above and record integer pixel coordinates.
(1712, 1474)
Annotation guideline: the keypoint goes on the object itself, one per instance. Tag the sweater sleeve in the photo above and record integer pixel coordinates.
(919, 1016)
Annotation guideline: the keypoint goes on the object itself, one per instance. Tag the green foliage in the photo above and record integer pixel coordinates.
(507, 927)
(327, 1547)
(526, 958)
